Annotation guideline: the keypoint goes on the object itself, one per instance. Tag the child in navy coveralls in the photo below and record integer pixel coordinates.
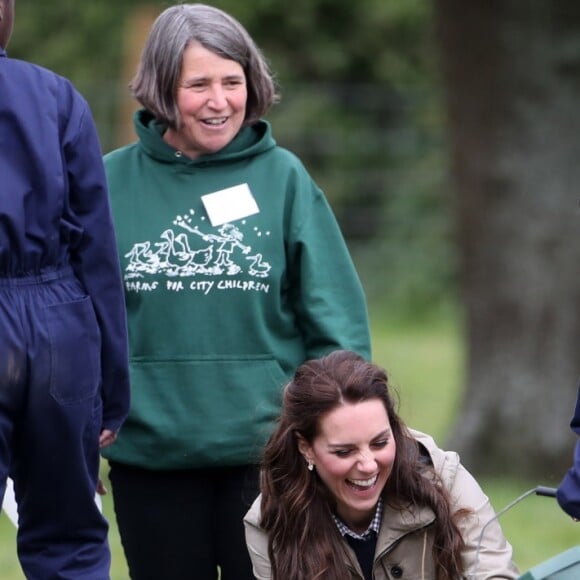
(64, 387)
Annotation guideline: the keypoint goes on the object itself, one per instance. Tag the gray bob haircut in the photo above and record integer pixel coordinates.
(159, 71)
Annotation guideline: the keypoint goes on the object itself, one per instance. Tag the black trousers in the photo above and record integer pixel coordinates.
(182, 525)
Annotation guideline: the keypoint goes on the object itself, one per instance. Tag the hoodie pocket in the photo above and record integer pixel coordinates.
(203, 411)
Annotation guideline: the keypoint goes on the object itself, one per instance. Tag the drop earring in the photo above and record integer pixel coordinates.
(310, 466)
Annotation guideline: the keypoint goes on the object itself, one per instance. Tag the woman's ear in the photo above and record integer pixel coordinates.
(304, 448)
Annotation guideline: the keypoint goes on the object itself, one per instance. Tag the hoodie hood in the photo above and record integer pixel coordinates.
(250, 141)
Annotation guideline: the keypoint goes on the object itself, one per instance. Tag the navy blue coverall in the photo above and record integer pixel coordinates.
(63, 339)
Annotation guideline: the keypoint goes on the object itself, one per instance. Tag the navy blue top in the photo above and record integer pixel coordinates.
(54, 206)
(568, 494)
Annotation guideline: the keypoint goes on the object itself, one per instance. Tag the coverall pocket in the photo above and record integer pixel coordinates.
(75, 351)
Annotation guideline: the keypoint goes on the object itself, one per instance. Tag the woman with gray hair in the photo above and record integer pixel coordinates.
(235, 272)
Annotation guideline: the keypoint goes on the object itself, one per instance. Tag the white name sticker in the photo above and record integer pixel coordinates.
(230, 204)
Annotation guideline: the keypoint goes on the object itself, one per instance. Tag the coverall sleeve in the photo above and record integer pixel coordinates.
(327, 294)
(94, 258)
(568, 492)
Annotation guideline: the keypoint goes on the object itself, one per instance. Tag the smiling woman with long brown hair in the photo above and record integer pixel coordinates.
(349, 492)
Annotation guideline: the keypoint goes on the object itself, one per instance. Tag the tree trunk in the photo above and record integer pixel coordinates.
(137, 28)
(512, 72)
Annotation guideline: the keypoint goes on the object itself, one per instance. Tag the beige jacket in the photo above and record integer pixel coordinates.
(404, 543)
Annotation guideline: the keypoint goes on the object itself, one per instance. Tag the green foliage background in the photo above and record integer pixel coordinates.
(361, 105)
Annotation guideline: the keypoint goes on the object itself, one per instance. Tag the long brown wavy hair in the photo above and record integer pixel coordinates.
(304, 543)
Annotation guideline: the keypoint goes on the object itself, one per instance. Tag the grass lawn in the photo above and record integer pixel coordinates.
(425, 365)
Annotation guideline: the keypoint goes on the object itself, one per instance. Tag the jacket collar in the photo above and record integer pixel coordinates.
(396, 524)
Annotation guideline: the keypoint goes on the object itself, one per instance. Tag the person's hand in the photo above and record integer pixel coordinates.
(106, 438)
(101, 489)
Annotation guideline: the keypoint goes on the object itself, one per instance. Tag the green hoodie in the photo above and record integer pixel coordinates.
(221, 315)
